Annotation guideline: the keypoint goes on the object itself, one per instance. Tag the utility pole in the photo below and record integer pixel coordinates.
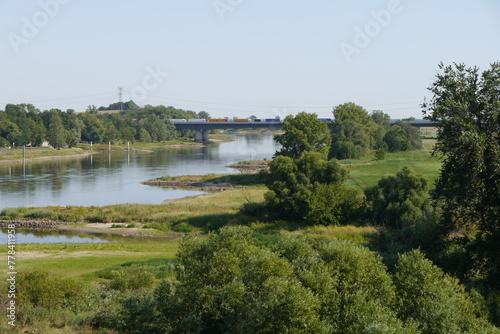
(120, 95)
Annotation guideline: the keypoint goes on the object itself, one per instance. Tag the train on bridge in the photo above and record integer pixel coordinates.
(234, 120)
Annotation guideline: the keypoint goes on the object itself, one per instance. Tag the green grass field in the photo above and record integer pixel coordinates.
(366, 172)
(83, 261)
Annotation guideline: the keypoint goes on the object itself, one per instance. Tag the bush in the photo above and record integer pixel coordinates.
(183, 227)
(380, 153)
(39, 214)
(11, 213)
(398, 200)
(435, 302)
(309, 189)
(131, 278)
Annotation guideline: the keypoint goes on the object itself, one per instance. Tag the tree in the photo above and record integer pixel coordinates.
(355, 291)
(94, 129)
(467, 107)
(399, 199)
(227, 285)
(57, 134)
(403, 137)
(110, 134)
(396, 139)
(350, 140)
(310, 189)
(303, 132)
(354, 132)
(434, 302)
(144, 136)
(381, 119)
(380, 153)
(203, 115)
(91, 109)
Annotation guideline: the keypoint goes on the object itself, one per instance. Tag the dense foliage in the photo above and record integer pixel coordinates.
(23, 124)
(467, 105)
(309, 189)
(399, 199)
(303, 132)
(355, 133)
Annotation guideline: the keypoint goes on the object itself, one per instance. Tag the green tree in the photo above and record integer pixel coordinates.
(310, 189)
(94, 129)
(467, 107)
(403, 137)
(110, 134)
(203, 115)
(144, 136)
(354, 132)
(399, 199)
(381, 119)
(303, 132)
(380, 153)
(91, 109)
(57, 134)
(227, 285)
(436, 303)
(355, 291)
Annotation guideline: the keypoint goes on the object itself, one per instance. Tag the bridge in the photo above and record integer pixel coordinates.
(201, 128)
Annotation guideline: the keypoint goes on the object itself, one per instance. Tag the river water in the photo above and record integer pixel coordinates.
(103, 179)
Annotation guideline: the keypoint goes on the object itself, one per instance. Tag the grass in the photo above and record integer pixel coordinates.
(37, 152)
(83, 261)
(366, 172)
(242, 179)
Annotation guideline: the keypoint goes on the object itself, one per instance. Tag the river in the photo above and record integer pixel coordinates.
(103, 179)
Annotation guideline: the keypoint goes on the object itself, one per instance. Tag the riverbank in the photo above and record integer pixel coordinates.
(36, 154)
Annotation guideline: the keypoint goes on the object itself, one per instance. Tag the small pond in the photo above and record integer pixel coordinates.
(27, 236)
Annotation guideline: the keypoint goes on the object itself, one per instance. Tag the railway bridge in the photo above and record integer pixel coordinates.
(201, 128)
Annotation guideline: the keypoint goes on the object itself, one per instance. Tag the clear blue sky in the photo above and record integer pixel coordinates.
(239, 57)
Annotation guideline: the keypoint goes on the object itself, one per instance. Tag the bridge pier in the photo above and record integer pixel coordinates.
(201, 136)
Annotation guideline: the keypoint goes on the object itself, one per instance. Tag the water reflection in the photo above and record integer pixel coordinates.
(26, 236)
(105, 178)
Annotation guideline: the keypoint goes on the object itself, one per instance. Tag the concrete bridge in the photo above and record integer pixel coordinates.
(201, 128)
(201, 134)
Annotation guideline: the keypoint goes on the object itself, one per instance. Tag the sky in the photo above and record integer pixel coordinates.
(237, 58)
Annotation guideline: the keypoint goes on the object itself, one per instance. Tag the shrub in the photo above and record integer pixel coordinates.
(399, 199)
(11, 213)
(39, 214)
(131, 278)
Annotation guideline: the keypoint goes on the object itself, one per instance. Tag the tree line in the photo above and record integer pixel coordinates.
(23, 124)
